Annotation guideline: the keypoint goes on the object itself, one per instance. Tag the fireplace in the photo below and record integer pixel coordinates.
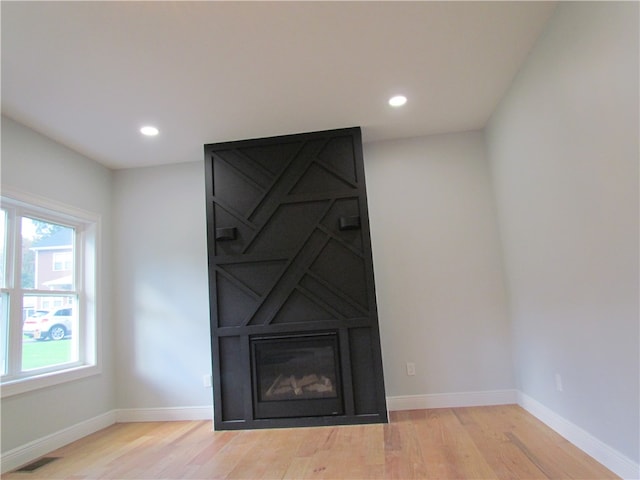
(296, 375)
(294, 322)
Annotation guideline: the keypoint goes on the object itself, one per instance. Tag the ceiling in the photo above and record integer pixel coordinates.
(90, 74)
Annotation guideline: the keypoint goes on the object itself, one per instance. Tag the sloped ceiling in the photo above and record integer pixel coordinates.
(90, 74)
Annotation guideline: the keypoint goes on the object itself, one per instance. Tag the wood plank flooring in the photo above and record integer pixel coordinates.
(498, 442)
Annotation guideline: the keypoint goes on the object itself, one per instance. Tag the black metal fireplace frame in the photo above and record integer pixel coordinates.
(290, 408)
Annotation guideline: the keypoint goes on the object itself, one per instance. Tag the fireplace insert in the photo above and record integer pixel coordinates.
(296, 375)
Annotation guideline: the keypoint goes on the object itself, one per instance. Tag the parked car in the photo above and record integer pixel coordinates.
(54, 324)
(31, 312)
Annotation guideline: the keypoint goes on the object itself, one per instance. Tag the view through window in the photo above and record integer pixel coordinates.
(43, 322)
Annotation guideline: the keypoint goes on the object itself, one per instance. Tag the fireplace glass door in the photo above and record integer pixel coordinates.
(296, 375)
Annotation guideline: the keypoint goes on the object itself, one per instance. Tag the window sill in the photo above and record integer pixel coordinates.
(36, 382)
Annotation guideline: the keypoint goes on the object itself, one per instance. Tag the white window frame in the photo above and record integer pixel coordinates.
(87, 246)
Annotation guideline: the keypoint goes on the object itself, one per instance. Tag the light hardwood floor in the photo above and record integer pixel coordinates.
(498, 442)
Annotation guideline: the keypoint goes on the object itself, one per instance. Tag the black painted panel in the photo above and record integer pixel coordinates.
(344, 269)
(259, 277)
(362, 368)
(329, 294)
(337, 150)
(289, 227)
(234, 303)
(236, 190)
(232, 388)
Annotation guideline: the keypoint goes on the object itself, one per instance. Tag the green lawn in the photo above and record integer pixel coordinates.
(45, 353)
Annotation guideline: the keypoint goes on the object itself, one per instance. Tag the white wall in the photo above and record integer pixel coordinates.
(35, 164)
(564, 152)
(437, 264)
(439, 281)
(162, 346)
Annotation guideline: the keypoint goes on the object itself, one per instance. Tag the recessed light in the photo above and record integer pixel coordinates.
(149, 131)
(397, 101)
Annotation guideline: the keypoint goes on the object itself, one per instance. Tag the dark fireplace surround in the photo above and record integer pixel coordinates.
(295, 339)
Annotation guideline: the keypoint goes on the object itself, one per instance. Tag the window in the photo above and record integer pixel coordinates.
(62, 261)
(48, 295)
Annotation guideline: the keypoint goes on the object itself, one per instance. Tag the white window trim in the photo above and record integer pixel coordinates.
(91, 357)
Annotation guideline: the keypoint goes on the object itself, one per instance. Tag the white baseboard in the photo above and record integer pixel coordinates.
(26, 453)
(603, 453)
(166, 414)
(450, 400)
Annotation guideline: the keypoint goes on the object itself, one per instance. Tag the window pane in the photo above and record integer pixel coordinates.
(4, 324)
(3, 248)
(50, 332)
(47, 256)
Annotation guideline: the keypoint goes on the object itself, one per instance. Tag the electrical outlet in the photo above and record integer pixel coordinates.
(559, 382)
(411, 368)
(206, 381)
